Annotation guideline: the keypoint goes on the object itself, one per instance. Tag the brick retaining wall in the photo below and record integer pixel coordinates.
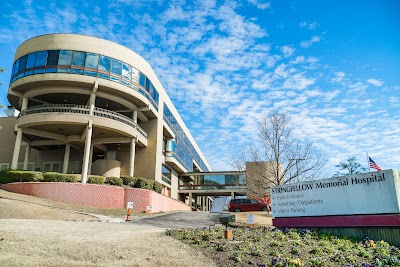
(100, 196)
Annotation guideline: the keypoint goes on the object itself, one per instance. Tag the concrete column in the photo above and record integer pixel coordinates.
(24, 103)
(232, 195)
(92, 102)
(66, 157)
(17, 147)
(27, 156)
(86, 155)
(204, 203)
(134, 116)
(90, 160)
(190, 199)
(132, 157)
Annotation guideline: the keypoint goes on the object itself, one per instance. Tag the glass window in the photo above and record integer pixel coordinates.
(64, 59)
(104, 66)
(52, 60)
(78, 59)
(147, 84)
(41, 58)
(142, 80)
(246, 200)
(22, 64)
(116, 67)
(30, 63)
(126, 71)
(92, 61)
(135, 75)
(16, 67)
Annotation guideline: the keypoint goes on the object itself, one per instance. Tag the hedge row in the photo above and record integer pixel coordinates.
(12, 176)
(138, 182)
(59, 177)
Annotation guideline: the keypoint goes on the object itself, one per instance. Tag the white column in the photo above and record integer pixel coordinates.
(190, 199)
(27, 156)
(92, 101)
(90, 160)
(24, 103)
(132, 157)
(134, 116)
(232, 195)
(66, 157)
(86, 155)
(17, 147)
(204, 203)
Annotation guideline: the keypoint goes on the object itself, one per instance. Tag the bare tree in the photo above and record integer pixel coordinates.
(281, 157)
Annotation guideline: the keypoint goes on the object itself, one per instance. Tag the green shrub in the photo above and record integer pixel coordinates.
(129, 180)
(12, 176)
(59, 177)
(114, 181)
(96, 180)
(144, 183)
(157, 187)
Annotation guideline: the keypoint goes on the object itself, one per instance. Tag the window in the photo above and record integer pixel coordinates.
(116, 69)
(64, 59)
(91, 63)
(41, 58)
(126, 71)
(22, 64)
(78, 61)
(16, 67)
(104, 67)
(52, 60)
(253, 201)
(236, 201)
(135, 75)
(30, 63)
(142, 80)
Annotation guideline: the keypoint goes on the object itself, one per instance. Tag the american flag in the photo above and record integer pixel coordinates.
(372, 164)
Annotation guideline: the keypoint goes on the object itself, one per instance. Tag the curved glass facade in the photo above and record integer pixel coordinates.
(84, 63)
(183, 151)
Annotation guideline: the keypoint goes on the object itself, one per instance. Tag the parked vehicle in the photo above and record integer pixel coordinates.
(247, 204)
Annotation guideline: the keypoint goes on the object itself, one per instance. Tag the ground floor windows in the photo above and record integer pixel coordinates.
(166, 174)
(54, 166)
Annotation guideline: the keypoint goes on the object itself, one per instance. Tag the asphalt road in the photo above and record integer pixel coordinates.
(187, 219)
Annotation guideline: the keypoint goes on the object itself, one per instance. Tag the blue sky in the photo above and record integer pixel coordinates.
(334, 65)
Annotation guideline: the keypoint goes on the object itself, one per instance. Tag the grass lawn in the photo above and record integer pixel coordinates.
(264, 246)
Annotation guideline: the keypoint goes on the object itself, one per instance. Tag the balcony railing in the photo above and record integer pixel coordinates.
(212, 186)
(80, 109)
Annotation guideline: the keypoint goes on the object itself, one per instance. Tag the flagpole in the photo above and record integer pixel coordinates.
(369, 169)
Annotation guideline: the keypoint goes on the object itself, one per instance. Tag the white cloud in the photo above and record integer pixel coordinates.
(287, 50)
(298, 82)
(338, 76)
(308, 25)
(308, 43)
(375, 82)
(260, 4)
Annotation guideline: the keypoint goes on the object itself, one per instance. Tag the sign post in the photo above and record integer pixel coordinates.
(250, 220)
(129, 207)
